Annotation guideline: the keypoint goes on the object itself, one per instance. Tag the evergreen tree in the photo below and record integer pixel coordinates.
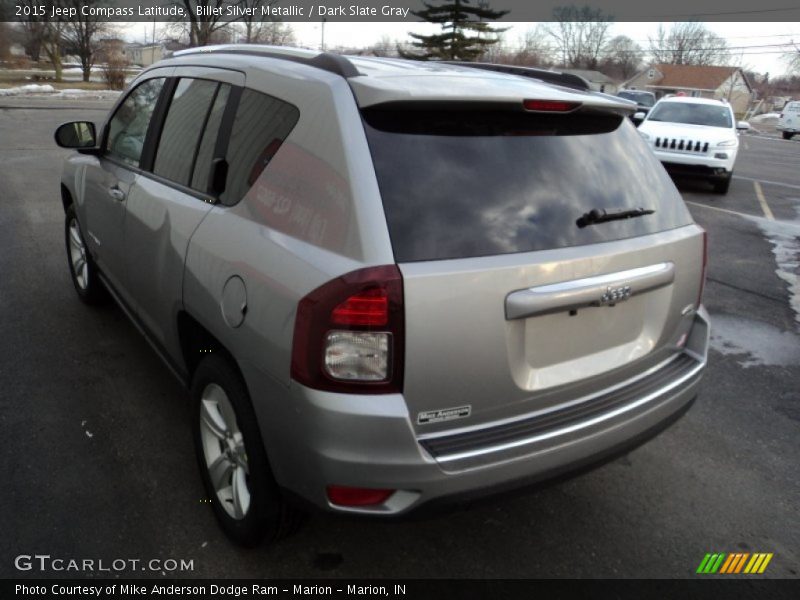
(466, 32)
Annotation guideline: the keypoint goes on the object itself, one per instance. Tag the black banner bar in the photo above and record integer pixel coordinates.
(518, 11)
(742, 587)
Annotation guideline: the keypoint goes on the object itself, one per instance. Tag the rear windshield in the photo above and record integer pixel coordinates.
(458, 184)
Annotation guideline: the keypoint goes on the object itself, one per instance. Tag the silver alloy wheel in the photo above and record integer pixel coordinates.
(77, 255)
(224, 452)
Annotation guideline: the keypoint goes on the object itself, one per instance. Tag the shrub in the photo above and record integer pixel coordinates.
(114, 73)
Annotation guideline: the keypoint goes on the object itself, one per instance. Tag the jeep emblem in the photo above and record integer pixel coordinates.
(614, 295)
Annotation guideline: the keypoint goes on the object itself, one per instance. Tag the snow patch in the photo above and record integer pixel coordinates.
(759, 344)
(31, 88)
(35, 89)
(785, 239)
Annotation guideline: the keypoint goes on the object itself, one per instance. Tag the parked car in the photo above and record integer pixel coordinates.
(644, 100)
(388, 284)
(694, 137)
(789, 121)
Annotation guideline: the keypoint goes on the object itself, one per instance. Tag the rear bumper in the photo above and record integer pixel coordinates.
(315, 439)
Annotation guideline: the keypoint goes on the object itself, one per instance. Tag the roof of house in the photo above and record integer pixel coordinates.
(694, 76)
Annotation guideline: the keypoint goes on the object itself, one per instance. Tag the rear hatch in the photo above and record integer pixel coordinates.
(544, 256)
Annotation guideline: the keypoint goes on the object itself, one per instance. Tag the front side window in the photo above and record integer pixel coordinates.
(692, 114)
(128, 127)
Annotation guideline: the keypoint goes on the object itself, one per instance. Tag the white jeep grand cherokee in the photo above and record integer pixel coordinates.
(694, 137)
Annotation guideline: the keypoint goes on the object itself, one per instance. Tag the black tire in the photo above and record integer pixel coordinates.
(268, 517)
(787, 135)
(721, 185)
(89, 287)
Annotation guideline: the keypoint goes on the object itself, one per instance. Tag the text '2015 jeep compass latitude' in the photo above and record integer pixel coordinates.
(388, 283)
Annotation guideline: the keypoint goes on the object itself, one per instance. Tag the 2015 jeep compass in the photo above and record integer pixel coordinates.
(388, 283)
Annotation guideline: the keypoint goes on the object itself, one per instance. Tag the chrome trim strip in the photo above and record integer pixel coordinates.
(577, 426)
(588, 291)
(551, 409)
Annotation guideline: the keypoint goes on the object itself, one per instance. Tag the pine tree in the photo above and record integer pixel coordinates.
(458, 20)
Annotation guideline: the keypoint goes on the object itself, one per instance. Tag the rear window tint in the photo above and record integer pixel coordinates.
(262, 124)
(458, 184)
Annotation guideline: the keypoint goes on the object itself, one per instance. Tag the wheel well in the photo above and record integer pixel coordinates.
(66, 197)
(197, 342)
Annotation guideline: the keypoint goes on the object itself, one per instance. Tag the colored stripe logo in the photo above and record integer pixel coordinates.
(735, 563)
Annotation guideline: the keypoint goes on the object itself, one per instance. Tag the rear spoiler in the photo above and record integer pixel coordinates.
(563, 79)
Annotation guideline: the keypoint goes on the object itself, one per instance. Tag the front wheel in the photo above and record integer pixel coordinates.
(81, 266)
(721, 185)
(787, 135)
(233, 462)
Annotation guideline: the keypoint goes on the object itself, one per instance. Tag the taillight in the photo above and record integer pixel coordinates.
(349, 334)
(705, 268)
(550, 105)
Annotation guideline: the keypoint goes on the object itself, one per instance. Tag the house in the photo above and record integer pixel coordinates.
(143, 54)
(727, 83)
(597, 81)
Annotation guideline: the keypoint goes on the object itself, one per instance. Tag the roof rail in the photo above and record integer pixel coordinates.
(333, 63)
(564, 79)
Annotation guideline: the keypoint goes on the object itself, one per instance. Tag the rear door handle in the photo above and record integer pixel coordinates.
(116, 193)
(591, 291)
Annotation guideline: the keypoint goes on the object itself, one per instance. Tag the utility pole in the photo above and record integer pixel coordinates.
(322, 42)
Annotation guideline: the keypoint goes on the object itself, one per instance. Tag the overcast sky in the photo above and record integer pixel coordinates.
(756, 46)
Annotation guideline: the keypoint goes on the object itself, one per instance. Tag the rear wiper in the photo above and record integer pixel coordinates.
(601, 216)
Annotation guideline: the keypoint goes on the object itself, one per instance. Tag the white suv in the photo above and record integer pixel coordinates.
(694, 137)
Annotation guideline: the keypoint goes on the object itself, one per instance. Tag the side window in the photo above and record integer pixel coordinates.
(128, 127)
(261, 125)
(183, 127)
(205, 153)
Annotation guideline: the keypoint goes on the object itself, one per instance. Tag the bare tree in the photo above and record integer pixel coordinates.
(52, 44)
(203, 28)
(384, 47)
(274, 33)
(535, 48)
(580, 34)
(689, 43)
(33, 31)
(81, 35)
(257, 30)
(792, 59)
(623, 57)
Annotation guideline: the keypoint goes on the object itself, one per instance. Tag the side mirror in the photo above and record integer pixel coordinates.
(638, 116)
(743, 125)
(77, 135)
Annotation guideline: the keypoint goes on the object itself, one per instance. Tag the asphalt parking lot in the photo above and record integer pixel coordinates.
(99, 461)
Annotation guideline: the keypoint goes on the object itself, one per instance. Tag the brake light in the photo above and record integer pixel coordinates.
(349, 333)
(352, 496)
(370, 307)
(705, 268)
(550, 105)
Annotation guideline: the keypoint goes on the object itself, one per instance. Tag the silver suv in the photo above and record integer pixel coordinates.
(388, 283)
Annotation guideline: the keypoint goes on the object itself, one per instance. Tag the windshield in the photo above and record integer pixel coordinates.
(465, 183)
(692, 114)
(641, 98)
